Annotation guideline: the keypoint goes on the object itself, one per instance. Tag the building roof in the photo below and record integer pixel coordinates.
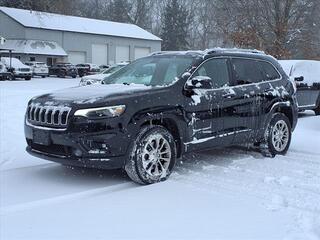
(44, 20)
(34, 47)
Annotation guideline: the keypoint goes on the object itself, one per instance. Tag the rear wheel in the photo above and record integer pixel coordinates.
(277, 136)
(317, 110)
(43, 76)
(152, 156)
(27, 78)
(62, 74)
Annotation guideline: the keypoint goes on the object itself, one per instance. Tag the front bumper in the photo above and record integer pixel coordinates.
(40, 73)
(100, 163)
(102, 149)
(22, 74)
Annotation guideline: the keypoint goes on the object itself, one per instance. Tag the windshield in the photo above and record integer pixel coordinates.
(112, 69)
(152, 71)
(41, 65)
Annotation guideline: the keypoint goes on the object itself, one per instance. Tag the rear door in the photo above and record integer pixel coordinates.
(244, 112)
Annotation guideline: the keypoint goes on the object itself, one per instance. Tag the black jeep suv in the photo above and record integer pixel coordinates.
(160, 107)
(63, 69)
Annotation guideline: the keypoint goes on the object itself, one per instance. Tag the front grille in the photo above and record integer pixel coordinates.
(24, 69)
(48, 115)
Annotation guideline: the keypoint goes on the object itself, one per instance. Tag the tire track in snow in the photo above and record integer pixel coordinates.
(293, 182)
(65, 198)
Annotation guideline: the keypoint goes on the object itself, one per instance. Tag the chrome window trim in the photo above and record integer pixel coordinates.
(230, 58)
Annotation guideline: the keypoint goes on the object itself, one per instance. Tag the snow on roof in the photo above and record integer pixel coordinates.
(35, 47)
(44, 20)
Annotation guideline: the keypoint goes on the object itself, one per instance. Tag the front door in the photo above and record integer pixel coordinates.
(204, 106)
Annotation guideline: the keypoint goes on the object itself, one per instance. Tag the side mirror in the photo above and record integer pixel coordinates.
(299, 79)
(199, 82)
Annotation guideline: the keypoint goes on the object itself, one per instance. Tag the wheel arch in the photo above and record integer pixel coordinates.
(285, 108)
(171, 119)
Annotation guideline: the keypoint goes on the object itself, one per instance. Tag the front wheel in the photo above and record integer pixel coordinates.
(277, 136)
(152, 155)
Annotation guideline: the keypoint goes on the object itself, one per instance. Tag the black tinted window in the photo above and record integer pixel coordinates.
(217, 70)
(247, 71)
(269, 71)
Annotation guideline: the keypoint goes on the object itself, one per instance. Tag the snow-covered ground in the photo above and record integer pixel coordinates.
(231, 193)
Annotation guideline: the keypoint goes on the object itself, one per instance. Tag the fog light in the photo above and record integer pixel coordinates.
(77, 152)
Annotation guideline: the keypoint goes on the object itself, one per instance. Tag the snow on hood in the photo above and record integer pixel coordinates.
(99, 77)
(89, 94)
(16, 63)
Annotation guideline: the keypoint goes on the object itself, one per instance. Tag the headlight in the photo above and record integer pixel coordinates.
(102, 112)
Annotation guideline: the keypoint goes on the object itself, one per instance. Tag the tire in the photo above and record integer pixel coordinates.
(317, 111)
(27, 78)
(62, 74)
(74, 76)
(277, 136)
(144, 165)
(43, 76)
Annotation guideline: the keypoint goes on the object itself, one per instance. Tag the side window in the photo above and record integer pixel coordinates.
(247, 71)
(269, 71)
(217, 70)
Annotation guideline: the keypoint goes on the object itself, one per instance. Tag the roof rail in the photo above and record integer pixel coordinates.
(198, 52)
(232, 50)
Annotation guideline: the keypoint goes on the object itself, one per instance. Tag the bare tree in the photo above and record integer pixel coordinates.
(273, 25)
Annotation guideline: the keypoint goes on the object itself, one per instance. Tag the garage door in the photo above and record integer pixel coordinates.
(122, 53)
(76, 57)
(100, 54)
(140, 52)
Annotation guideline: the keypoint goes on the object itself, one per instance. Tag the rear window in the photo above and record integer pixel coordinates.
(248, 71)
(270, 72)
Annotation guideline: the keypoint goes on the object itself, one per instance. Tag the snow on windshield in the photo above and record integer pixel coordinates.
(155, 71)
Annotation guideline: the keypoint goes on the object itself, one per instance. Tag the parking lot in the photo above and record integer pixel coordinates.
(232, 193)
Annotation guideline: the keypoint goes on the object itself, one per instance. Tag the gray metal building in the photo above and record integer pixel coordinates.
(50, 38)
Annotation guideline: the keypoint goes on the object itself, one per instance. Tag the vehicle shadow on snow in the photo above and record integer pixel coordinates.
(225, 157)
(82, 176)
(306, 114)
(219, 158)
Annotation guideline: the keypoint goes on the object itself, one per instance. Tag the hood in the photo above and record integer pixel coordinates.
(99, 77)
(88, 94)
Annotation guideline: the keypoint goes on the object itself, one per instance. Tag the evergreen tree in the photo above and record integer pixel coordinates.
(174, 31)
(118, 11)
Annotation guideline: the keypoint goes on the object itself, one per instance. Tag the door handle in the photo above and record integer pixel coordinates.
(229, 95)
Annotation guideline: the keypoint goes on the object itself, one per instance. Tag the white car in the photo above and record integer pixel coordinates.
(97, 78)
(38, 69)
(306, 76)
(18, 69)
